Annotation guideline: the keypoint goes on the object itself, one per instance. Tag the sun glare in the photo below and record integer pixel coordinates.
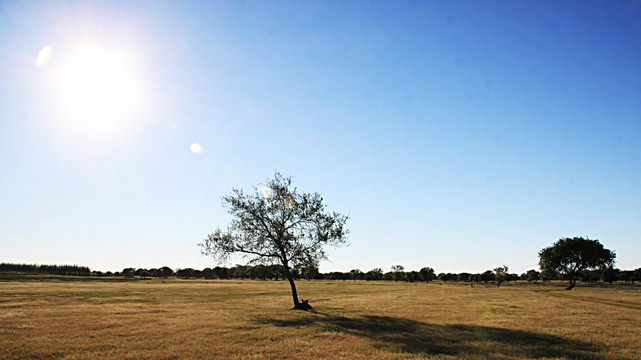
(266, 192)
(44, 55)
(96, 89)
(196, 148)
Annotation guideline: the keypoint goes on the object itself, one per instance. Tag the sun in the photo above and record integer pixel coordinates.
(97, 89)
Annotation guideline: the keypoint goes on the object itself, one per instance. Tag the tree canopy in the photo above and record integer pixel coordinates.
(277, 224)
(570, 256)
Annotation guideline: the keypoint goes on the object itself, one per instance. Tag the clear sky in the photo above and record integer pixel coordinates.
(457, 135)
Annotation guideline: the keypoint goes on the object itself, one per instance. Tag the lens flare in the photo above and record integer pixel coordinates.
(196, 148)
(44, 55)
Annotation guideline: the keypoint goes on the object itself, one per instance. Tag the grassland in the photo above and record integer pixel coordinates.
(351, 320)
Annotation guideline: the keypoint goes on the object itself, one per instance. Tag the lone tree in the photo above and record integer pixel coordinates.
(570, 256)
(500, 274)
(277, 224)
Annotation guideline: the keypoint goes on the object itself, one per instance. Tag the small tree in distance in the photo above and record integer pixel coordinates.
(374, 274)
(309, 270)
(500, 274)
(532, 275)
(166, 272)
(277, 224)
(128, 272)
(570, 256)
(445, 277)
(610, 274)
(427, 274)
(487, 276)
(398, 272)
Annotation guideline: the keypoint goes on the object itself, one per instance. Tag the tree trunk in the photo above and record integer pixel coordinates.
(572, 284)
(297, 304)
(304, 305)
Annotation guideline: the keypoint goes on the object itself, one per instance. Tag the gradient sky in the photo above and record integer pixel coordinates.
(457, 135)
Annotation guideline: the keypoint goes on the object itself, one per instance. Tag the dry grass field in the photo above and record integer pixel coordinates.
(351, 320)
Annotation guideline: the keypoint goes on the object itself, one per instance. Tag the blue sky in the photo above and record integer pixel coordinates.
(457, 135)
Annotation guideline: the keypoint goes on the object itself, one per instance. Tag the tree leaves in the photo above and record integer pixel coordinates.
(276, 223)
(570, 256)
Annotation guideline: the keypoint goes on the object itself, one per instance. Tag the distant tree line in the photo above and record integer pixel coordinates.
(397, 273)
(68, 270)
(276, 272)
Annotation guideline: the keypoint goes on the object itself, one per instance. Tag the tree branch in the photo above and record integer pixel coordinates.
(252, 252)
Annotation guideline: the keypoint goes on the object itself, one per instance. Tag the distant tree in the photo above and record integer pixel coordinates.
(277, 224)
(445, 277)
(128, 272)
(374, 274)
(636, 275)
(610, 274)
(356, 274)
(523, 276)
(474, 278)
(571, 256)
(511, 277)
(277, 271)
(309, 270)
(240, 272)
(626, 275)
(532, 276)
(412, 276)
(221, 272)
(259, 271)
(65, 270)
(166, 272)
(208, 273)
(185, 273)
(587, 276)
(143, 273)
(463, 277)
(337, 275)
(500, 274)
(427, 274)
(487, 276)
(549, 276)
(398, 271)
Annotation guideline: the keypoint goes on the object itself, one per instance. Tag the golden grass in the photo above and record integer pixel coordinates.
(351, 320)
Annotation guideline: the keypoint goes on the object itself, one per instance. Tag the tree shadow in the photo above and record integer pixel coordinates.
(409, 336)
